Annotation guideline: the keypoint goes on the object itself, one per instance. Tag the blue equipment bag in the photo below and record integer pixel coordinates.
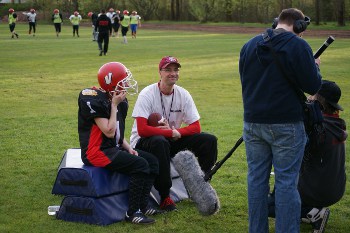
(98, 211)
(75, 178)
(96, 195)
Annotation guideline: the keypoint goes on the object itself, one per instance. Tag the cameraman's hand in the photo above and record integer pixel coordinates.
(318, 61)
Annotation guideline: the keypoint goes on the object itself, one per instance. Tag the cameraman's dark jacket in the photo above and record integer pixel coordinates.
(322, 178)
(267, 96)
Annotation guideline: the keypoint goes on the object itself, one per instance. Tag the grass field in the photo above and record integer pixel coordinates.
(40, 78)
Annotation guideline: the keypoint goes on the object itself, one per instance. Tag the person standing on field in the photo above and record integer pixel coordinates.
(116, 23)
(273, 131)
(57, 20)
(31, 16)
(125, 22)
(135, 21)
(104, 27)
(93, 17)
(12, 19)
(75, 20)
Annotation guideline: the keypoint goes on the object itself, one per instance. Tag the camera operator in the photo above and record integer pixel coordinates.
(274, 132)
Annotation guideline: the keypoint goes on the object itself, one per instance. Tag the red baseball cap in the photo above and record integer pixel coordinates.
(167, 61)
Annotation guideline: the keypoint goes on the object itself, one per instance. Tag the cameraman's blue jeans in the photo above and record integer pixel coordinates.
(281, 146)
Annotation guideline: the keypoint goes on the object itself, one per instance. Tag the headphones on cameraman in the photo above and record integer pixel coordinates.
(299, 25)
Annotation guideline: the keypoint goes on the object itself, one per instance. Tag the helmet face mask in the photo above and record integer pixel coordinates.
(115, 77)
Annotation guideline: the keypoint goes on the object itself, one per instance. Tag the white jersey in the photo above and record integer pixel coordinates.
(30, 16)
(177, 108)
(111, 15)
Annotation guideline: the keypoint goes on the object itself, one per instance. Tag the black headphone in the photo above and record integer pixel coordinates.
(299, 25)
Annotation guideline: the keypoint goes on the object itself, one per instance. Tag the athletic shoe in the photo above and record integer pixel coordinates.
(139, 218)
(151, 211)
(101, 53)
(319, 221)
(168, 204)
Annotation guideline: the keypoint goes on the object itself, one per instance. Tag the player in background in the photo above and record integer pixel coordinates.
(75, 19)
(57, 20)
(93, 17)
(135, 21)
(31, 16)
(12, 19)
(125, 22)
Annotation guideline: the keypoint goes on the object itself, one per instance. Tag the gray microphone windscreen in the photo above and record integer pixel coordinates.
(201, 192)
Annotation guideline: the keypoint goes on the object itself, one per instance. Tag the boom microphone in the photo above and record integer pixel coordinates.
(201, 192)
(324, 46)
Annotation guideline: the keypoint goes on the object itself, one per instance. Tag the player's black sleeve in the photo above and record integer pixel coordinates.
(92, 105)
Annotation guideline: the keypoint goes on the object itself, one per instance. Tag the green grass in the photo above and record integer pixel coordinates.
(40, 79)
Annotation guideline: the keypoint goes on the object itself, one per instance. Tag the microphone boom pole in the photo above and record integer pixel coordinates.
(325, 45)
(216, 167)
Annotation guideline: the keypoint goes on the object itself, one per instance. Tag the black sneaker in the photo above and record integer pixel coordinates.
(320, 220)
(168, 204)
(139, 218)
(151, 211)
(101, 53)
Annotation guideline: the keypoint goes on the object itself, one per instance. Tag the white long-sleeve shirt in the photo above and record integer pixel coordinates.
(31, 16)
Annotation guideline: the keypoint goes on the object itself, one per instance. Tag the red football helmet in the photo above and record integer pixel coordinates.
(56, 11)
(125, 12)
(114, 76)
(90, 14)
(11, 10)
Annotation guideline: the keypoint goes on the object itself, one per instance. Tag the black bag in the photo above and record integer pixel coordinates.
(312, 115)
(314, 128)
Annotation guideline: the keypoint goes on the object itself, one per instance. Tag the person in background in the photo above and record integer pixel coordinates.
(110, 14)
(12, 19)
(57, 20)
(116, 24)
(273, 127)
(180, 131)
(75, 19)
(104, 28)
(31, 16)
(93, 17)
(125, 22)
(101, 126)
(135, 21)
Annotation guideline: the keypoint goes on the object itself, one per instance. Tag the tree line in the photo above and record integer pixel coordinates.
(242, 11)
